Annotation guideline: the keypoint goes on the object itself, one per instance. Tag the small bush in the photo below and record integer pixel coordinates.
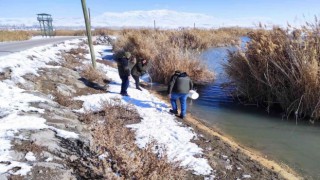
(62, 99)
(93, 75)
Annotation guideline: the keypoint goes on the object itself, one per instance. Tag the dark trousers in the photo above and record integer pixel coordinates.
(136, 79)
(124, 84)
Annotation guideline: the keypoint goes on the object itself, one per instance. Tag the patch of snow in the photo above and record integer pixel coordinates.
(157, 124)
(229, 167)
(209, 178)
(64, 134)
(103, 156)
(49, 159)
(30, 157)
(224, 157)
(246, 176)
(15, 102)
(20, 64)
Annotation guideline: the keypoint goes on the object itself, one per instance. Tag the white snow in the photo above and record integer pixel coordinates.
(157, 124)
(246, 176)
(30, 157)
(49, 159)
(103, 156)
(14, 101)
(64, 134)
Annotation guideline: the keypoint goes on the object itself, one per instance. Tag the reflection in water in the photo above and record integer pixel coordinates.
(280, 139)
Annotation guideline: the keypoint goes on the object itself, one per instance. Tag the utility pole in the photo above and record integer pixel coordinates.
(88, 28)
(154, 24)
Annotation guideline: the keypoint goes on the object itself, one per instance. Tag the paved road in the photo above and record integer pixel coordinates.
(16, 46)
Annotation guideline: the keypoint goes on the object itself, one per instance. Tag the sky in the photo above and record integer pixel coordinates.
(220, 13)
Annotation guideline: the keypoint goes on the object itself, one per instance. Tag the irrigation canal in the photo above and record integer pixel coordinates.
(277, 137)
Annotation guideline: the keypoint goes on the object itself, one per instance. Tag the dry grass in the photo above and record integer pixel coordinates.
(93, 75)
(107, 63)
(168, 51)
(125, 158)
(69, 32)
(70, 61)
(62, 99)
(14, 35)
(105, 32)
(280, 68)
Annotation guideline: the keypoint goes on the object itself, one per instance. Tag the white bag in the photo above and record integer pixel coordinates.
(193, 94)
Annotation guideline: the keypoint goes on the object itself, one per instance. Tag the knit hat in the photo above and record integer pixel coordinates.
(127, 54)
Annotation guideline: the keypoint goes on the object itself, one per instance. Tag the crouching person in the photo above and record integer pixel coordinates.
(179, 86)
(139, 69)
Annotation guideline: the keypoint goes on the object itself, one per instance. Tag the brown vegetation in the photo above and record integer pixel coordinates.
(69, 32)
(280, 68)
(14, 35)
(168, 51)
(124, 157)
(93, 75)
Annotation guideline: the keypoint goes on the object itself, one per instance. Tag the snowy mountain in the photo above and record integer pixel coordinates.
(163, 18)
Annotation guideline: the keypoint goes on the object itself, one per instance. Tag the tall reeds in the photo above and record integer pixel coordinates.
(280, 68)
(171, 50)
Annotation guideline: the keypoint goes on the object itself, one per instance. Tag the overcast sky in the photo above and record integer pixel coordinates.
(223, 12)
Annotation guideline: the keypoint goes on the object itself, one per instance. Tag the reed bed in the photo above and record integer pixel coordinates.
(171, 50)
(14, 35)
(69, 32)
(280, 68)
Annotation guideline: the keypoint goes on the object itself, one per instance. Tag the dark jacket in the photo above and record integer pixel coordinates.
(123, 67)
(180, 83)
(139, 69)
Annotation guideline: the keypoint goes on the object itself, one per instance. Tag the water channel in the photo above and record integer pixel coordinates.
(278, 138)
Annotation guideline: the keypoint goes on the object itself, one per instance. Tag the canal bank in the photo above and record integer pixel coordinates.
(270, 135)
(236, 159)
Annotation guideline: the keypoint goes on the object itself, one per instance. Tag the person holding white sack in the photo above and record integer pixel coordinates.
(179, 87)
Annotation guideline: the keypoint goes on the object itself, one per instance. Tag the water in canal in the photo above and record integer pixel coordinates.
(278, 138)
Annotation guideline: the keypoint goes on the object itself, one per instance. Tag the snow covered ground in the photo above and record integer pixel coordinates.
(157, 124)
(14, 101)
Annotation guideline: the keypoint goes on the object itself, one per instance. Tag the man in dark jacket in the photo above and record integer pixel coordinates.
(139, 69)
(179, 86)
(124, 72)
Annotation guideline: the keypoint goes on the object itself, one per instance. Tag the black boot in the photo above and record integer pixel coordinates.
(173, 112)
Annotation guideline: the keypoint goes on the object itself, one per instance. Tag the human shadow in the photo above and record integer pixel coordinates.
(94, 85)
(107, 57)
(107, 50)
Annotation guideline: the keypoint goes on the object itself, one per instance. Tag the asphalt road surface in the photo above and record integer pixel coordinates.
(17, 46)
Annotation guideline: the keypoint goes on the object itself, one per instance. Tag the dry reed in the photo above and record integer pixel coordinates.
(14, 35)
(280, 68)
(172, 50)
